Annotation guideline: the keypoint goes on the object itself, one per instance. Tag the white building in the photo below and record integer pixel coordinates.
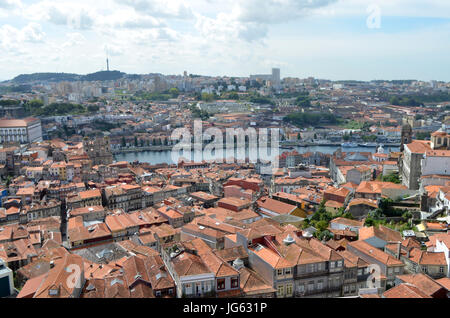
(443, 245)
(6, 280)
(20, 130)
(436, 162)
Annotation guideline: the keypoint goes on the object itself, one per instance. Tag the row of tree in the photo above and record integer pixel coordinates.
(311, 119)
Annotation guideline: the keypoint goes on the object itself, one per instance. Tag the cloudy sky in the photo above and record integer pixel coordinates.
(332, 39)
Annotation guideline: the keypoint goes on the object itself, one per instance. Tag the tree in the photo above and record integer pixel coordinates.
(207, 97)
(321, 225)
(174, 92)
(93, 108)
(393, 177)
(423, 135)
(325, 235)
(347, 215)
(369, 222)
(8, 180)
(312, 119)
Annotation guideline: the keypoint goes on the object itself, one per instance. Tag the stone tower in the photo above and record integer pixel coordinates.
(406, 135)
(98, 150)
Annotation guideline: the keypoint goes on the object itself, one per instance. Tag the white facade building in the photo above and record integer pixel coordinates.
(6, 280)
(436, 162)
(20, 130)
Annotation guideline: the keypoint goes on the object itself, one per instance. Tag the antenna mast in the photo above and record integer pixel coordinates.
(107, 60)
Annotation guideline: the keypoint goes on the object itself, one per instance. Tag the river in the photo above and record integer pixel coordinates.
(159, 157)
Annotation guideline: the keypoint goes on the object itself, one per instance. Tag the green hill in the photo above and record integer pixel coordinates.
(67, 77)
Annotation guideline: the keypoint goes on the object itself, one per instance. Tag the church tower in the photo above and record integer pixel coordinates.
(406, 135)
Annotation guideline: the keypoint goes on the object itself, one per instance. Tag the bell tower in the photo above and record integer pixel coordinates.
(406, 135)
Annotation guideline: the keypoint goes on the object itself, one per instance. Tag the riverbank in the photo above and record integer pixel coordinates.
(164, 155)
(328, 144)
(141, 149)
(283, 146)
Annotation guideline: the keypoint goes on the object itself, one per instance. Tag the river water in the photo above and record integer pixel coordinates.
(159, 157)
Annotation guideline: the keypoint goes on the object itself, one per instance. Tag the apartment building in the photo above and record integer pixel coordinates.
(124, 196)
(388, 266)
(84, 198)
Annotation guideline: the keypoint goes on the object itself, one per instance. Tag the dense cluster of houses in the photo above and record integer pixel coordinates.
(220, 230)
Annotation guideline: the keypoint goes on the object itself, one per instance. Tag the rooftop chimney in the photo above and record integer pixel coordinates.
(288, 240)
(238, 264)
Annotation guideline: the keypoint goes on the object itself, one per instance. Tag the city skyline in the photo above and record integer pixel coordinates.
(336, 40)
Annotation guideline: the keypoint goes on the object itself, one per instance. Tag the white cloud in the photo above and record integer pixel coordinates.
(277, 11)
(10, 4)
(397, 8)
(234, 37)
(74, 39)
(250, 20)
(129, 19)
(68, 14)
(149, 37)
(11, 37)
(159, 8)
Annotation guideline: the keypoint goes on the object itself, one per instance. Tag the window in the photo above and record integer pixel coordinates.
(441, 269)
(220, 284)
(279, 272)
(280, 291)
(287, 271)
(332, 265)
(320, 284)
(301, 288)
(289, 289)
(337, 281)
(390, 271)
(188, 288)
(346, 289)
(397, 270)
(311, 286)
(339, 264)
(424, 269)
(360, 272)
(234, 282)
(158, 293)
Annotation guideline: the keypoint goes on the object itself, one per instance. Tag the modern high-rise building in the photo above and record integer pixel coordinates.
(276, 79)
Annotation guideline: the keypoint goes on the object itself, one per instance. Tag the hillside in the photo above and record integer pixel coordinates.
(68, 77)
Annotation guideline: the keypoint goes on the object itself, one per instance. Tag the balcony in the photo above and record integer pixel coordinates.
(298, 275)
(315, 292)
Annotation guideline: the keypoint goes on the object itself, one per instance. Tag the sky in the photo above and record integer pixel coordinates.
(327, 39)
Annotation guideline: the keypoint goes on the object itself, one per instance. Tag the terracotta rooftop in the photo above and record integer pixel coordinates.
(275, 205)
(405, 291)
